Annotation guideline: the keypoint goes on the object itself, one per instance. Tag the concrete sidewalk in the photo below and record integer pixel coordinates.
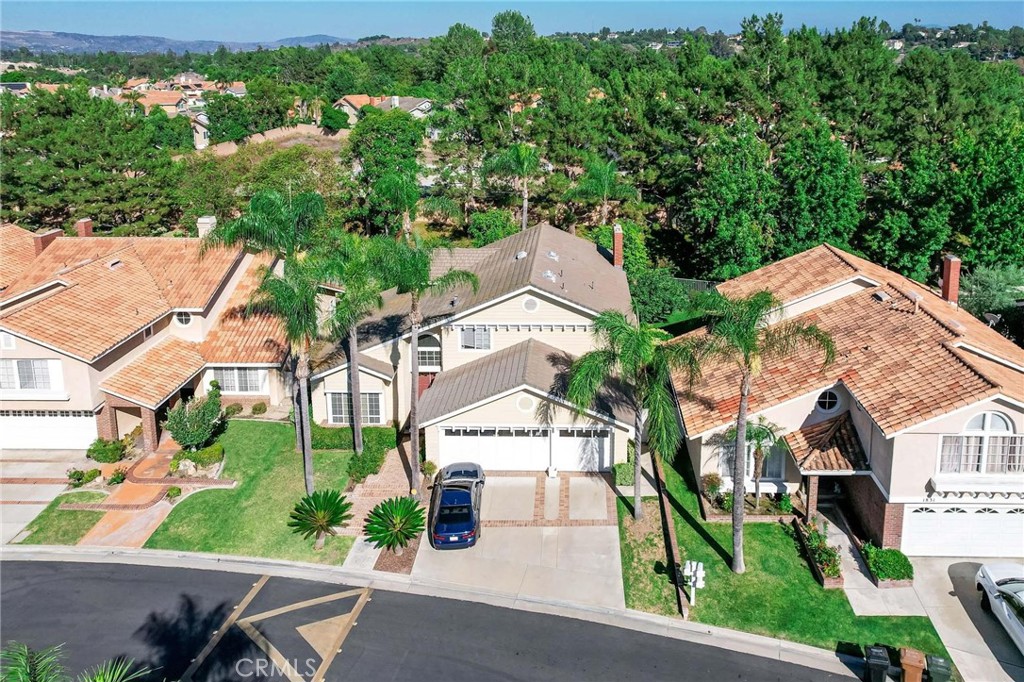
(766, 647)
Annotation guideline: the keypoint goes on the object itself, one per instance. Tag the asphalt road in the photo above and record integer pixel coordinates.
(164, 617)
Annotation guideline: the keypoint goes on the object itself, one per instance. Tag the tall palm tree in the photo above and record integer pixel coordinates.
(349, 262)
(281, 226)
(520, 163)
(408, 265)
(132, 98)
(601, 184)
(762, 434)
(741, 331)
(399, 193)
(292, 298)
(638, 356)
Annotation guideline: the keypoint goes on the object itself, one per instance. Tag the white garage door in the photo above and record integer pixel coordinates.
(963, 530)
(496, 449)
(46, 429)
(582, 449)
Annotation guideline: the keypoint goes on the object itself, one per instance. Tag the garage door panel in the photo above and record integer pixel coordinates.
(495, 448)
(963, 530)
(47, 430)
(582, 449)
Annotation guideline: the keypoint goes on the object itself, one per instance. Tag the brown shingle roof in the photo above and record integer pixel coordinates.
(828, 446)
(17, 251)
(153, 376)
(899, 359)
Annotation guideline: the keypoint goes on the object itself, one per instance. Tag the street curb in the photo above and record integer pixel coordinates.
(708, 635)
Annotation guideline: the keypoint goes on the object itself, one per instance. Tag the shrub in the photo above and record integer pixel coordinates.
(192, 423)
(785, 503)
(132, 438)
(259, 408)
(77, 477)
(623, 472)
(106, 451)
(173, 493)
(319, 514)
(490, 226)
(232, 410)
(208, 456)
(377, 441)
(429, 469)
(887, 564)
(394, 523)
(117, 476)
(333, 119)
(824, 555)
(725, 502)
(711, 484)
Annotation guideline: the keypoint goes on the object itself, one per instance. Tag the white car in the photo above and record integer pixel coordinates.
(1002, 593)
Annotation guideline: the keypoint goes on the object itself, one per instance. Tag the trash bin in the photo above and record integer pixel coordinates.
(876, 660)
(939, 669)
(912, 662)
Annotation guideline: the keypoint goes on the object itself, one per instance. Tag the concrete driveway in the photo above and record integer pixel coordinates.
(976, 641)
(547, 538)
(30, 480)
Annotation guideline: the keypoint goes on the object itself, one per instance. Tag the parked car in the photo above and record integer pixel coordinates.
(1002, 593)
(455, 506)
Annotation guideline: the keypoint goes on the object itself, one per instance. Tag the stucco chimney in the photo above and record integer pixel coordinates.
(951, 278)
(205, 224)
(617, 255)
(394, 101)
(83, 227)
(41, 241)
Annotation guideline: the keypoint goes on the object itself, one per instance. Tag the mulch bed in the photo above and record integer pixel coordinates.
(388, 561)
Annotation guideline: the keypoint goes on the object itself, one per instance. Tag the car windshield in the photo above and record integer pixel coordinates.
(455, 514)
(1010, 581)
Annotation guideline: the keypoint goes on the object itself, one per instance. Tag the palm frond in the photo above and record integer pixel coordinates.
(588, 375)
(452, 279)
(116, 670)
(19, 663)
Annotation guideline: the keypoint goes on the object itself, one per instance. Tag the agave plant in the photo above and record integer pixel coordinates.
(19, 663)
(319, 514)
(394, 523)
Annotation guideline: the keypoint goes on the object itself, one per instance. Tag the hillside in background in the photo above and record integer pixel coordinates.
(55, 41)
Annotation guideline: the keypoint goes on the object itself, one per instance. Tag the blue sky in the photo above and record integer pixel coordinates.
(251, 21)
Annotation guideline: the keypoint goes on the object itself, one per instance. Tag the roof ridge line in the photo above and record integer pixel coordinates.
(926, 309)
(955, 352)
(841, 256)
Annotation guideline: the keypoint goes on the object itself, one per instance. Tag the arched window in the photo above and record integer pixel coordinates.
(987, 446)
(429, 353)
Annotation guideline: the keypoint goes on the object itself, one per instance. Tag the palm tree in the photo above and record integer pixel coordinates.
(762, 433)
(520, 163)
(319, 514)
(637, 356)
(394, 523)
(408, 267)
(292, 298)
(601, 184)
(132, 98)
(19, 663)
(399, 193)
(740, 331)
(281, 226)
(350, 263)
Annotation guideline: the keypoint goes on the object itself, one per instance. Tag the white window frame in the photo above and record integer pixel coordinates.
(726, 473)
(261, 379)
(833, 410)
(15, 391)
(430, 367)
(481, 335)
(368, 418)
(984, 442)
(6, 341)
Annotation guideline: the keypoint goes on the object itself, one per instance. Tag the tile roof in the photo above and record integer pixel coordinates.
(153, 376)
(905, 361)
(123, 283)
(237, 337)
(829, 446)
(577, 271)
(531, 363)
(17, 251)
(158, 98)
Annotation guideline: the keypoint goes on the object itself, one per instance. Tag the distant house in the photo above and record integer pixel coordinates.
(16, 89)
(237, 89)
(48, 87)
(894, 44)
(138, 84)
(351, 104)
(173, 103)
(200, 130)
(418, 107)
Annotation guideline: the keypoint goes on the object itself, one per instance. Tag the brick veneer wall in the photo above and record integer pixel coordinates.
(882, 520)
(246, 401)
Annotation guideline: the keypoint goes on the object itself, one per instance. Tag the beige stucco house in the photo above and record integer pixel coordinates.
(918, 425)
(493, 363)
(101, 335)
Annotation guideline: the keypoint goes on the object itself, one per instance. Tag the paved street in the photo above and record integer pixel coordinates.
(165, 618)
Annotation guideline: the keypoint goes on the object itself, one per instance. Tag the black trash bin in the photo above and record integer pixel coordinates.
(939, 669)
(876, 664)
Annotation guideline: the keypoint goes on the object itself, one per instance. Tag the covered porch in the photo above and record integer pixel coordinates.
(826, 453)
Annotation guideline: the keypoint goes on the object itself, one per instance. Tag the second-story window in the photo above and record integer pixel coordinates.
(987, 446)
(183, 319)
(429, 353)
(25, 375)
(475, 338)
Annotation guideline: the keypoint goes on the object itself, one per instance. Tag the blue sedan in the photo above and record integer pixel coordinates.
(455, 518)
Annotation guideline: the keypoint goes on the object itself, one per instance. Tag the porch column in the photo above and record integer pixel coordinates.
(106, 422)
(150, 433)
(812, 497)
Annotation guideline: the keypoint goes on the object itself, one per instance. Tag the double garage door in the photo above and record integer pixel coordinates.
(963, 530)
(46, 429)
(527, 449)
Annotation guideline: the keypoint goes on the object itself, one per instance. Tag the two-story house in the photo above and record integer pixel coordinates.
(493, 364)
(918, 422)
(100, 335)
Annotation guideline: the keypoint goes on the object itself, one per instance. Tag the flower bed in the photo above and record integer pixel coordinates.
(888, 567)
(772, 512)
(822, 557)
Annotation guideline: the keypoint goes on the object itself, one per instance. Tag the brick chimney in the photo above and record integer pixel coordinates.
(41, 241)
(206, 224)
(83, 227)
(617, 255)
(951, 278)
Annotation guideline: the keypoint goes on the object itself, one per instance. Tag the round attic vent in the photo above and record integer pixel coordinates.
(530, 304)
(526, 403)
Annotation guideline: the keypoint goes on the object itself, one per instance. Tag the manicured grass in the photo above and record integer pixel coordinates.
(56, 526)
(648, 586)
(777, 596)
(252, 518)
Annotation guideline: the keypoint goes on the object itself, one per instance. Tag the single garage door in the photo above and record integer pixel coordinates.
(496, 449)
(46, 429)
(587, 449)
(963, 530)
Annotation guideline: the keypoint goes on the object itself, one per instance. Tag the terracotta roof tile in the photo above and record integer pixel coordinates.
(153, 376)
(828, 446)
(17, 251)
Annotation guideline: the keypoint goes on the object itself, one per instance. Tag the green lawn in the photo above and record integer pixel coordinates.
(252, 518)
(56, 526)
(648, 586)
(777, 596)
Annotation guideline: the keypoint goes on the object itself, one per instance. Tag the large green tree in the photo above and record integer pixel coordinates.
(520, 163)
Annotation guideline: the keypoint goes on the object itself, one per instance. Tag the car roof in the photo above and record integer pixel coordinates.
(455, 495)
(467, 470)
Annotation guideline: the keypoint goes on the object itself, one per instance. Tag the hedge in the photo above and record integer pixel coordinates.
(208, 456)
(377, 441)
(888, 564)
(106, 451)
